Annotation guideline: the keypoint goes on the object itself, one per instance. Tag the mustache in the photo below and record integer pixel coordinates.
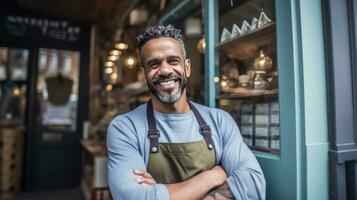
(164, 78)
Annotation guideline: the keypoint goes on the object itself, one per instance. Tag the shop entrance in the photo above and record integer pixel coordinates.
(55, 159)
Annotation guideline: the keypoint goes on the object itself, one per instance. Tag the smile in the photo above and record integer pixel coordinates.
(167, 83)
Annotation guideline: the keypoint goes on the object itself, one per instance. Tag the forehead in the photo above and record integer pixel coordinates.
(161, 47)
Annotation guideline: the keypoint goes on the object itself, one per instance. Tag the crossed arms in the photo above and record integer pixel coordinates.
(241, 170)
(208, 185)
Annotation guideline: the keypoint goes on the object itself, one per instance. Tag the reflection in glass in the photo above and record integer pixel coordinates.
(253, 98)
(3, 61)
(17, 60)
(57, 89)
(13, 71)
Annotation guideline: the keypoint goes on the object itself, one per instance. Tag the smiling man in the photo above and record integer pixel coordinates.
(171, 147)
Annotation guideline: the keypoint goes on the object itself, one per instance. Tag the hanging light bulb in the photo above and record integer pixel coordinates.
(201, 45)
(109, 87)
(109, 64)
(115, 52)
(114, 76)
(130, 62)
(113, 58)
(109, 70)
(121, 46)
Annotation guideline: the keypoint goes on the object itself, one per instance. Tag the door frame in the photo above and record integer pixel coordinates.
(301, 169)
(83, 47)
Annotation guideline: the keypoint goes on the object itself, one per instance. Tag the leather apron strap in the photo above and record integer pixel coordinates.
(154, 134)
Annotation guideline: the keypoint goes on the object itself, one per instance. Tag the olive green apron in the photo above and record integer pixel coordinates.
(176, 162)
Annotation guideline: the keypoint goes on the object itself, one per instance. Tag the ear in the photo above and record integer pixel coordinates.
(188, 67)
(142, 71)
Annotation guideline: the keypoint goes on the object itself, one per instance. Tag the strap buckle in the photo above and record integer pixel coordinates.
(153, 133)
(205, 129)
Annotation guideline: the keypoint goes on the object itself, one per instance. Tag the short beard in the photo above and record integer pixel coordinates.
(171, 98)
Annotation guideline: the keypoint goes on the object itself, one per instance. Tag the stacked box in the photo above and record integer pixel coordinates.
(248, 140)
(262, 125)
(11, 156)
(275, 127)
(246, 122)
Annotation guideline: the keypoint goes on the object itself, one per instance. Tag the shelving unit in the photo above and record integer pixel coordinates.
(256, 124)
(248, 44)
(240, 92)
(95, 182)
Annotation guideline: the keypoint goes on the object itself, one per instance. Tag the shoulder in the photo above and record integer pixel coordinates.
(214, 113)
(128, 122)
(137, 114)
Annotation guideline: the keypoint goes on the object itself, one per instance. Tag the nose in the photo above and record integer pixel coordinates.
(165, 69)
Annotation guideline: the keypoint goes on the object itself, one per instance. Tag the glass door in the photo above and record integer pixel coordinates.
(256, 84)
(56, 155)
(57, 92)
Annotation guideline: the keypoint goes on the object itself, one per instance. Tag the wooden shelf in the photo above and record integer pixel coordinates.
(95, 147)
(233, 93)
(132, 89)
(248, 44)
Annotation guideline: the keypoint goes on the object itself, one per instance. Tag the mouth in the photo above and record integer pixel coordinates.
(166, 84)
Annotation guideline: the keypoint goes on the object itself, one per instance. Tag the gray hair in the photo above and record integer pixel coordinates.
(159, 31)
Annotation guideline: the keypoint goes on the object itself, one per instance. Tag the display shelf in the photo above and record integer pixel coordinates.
(95, 147)
(248, 44)
(233, 93)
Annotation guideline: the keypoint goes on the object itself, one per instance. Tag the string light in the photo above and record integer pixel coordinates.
(130, 62)
(109, 70)
(113, 58)
(121, 46)
(109, 64)
(115, 52)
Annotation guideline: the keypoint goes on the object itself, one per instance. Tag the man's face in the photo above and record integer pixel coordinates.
(166, 69)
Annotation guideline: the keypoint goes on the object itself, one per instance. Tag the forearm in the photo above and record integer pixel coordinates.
(195, 188)
(220, 193)
(198, 186)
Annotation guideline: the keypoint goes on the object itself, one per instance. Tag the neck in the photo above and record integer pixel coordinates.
(180, 106)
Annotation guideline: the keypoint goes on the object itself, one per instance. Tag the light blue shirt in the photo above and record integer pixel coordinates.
(128, 149)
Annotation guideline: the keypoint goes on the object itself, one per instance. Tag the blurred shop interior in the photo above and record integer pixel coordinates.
(68, 67)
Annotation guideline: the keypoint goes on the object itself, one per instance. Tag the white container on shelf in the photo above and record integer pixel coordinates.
(246, 119)
(246, 129)
(262, 143)
(275, 144)
(262, 108)
(262, 131)
(248, 141)
(275, 118)
(275, 131)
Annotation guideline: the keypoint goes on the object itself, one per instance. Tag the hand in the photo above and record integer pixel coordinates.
(145, 179)
(217, 175)
(221, 193)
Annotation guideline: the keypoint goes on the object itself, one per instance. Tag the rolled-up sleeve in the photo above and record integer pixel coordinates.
(123, 158)
(245, 177)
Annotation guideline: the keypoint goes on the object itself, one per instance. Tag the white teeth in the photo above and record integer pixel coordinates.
(167, 83)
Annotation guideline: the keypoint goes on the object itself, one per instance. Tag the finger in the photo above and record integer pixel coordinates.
(147, 175)
(142, 173)
(148, 181)
(139, 172)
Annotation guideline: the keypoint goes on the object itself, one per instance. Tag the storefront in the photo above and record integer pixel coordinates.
(44, 75)
(278, 94)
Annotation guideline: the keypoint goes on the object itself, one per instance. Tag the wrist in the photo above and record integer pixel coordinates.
(215, 177)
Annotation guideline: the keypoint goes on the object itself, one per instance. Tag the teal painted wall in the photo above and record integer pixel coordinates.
(314, 105)
(301, 170)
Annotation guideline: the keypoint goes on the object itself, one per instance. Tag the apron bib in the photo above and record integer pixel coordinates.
(177, 162)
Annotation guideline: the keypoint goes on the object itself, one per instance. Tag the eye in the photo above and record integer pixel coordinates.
(174, 61)
(153, 65)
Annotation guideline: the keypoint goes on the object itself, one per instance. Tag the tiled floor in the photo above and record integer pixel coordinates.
(69, 194)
